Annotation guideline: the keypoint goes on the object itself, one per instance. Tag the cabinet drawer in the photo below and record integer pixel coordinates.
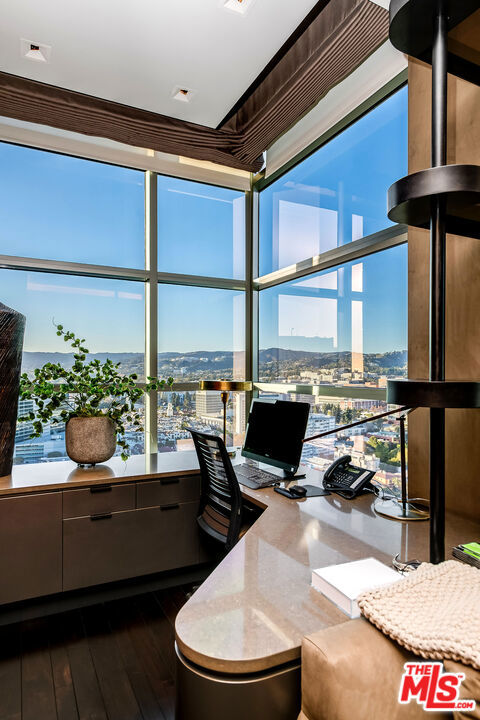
(168, 490)
(177, 542)
(128, 544)
(98, 499)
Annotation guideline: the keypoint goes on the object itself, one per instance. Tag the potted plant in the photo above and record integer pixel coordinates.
(93, 399)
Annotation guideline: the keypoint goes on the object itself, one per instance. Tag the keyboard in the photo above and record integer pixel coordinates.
(255, 478)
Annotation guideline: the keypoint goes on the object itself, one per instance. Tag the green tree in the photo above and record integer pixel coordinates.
(387, 452)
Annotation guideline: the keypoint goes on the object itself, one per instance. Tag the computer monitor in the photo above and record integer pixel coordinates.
(275, 432)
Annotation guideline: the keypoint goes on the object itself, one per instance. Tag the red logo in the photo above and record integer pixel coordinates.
(426, 683)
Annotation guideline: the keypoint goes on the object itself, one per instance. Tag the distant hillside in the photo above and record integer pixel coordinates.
(32, 360)
(397, 358)
(203, 359)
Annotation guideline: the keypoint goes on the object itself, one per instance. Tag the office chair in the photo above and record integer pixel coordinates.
(221, 508)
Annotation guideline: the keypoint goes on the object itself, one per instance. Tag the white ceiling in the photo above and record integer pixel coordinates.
(137, 52)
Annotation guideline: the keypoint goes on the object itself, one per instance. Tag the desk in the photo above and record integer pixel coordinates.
(239, 636)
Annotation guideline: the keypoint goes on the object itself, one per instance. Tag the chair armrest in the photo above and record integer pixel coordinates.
(351, 671)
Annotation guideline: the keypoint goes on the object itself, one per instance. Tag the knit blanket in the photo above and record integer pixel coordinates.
(434, 612)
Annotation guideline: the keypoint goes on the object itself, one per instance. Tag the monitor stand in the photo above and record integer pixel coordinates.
(286, 476)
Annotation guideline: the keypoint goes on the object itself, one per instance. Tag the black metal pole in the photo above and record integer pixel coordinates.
(403, 463)
(357, 422)
(224, 397)
(437, 286)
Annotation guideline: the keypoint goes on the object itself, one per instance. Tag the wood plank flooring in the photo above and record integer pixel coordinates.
(111, 661)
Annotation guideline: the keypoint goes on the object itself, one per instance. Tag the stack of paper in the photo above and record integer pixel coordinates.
(469, 553)
(342, 584)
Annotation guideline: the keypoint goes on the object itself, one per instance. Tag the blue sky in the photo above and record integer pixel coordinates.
(338, 193)
(315, 313)
(63, 208)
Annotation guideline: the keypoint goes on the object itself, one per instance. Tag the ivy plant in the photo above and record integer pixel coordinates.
(89, 389)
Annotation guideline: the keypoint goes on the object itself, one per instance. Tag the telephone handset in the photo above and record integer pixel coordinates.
(346, 479)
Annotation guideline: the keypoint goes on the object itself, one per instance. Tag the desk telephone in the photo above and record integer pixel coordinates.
(346, 479)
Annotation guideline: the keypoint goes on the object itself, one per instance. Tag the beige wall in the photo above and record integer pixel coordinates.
(463, 298)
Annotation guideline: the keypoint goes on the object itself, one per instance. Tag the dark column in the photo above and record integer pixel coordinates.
(437, 286)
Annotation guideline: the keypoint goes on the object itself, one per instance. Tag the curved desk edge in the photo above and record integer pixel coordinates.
(250, 615)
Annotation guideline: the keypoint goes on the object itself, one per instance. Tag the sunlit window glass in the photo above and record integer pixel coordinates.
(339, 193)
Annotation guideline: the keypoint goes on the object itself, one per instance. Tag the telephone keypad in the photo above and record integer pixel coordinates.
(343, 478)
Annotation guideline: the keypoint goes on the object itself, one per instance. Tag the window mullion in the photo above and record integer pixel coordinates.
(151, 310)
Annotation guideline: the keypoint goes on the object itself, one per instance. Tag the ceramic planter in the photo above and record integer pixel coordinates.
(90, 440)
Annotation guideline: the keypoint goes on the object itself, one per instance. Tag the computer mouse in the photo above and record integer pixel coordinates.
(298, 490)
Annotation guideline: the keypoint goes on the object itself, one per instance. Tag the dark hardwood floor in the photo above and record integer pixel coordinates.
(111, 661)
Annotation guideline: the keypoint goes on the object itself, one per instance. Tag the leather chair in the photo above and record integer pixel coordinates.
(352, 672)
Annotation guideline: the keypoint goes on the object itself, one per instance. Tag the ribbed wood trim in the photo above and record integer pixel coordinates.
(344, 34)
(36, 102)
(336, 42)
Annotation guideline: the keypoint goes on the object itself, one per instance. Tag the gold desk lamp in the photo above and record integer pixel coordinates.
(225, 387)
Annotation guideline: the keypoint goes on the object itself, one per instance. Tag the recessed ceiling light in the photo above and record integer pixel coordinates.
(35, 51)
(182, 93)
(238, 6)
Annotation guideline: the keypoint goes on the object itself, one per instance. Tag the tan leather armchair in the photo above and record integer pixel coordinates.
(352, 672)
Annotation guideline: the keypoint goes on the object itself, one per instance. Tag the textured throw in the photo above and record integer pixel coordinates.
(434, 612)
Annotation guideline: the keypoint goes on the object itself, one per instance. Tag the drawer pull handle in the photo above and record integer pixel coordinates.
(100, 488)
(169, 481)
(101, 516)
(170, 507)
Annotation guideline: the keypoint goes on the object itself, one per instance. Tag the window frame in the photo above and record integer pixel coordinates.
(369, 244)
(152, 278)
(252, 285)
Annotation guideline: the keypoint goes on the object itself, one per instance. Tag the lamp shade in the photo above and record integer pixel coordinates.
(226, 385)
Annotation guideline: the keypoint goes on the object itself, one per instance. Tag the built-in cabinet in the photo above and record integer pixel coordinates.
(70, 539)
(30, 546)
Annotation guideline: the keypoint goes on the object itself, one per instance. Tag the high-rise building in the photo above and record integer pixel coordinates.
(24, 430)
(30, 452)
(207, 403)
(318, 423)
(239, 416)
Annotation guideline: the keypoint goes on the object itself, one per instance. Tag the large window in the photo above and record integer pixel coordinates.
(335, 336)
(201, 333)
(201, 229)
(342, 326)
(331, 327)
(59, 213)
(58, 207)
(338, 194)
(91, 307)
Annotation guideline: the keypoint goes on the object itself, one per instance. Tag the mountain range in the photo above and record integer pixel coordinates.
(219, 359)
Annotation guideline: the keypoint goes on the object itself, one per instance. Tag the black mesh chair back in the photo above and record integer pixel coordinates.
(221, 500)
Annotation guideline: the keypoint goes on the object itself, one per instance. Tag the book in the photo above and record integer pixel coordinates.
(342, 584)
(468, 553)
